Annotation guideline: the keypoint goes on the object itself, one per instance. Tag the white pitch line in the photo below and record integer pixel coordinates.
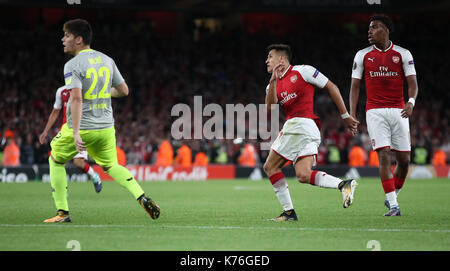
(66, 225)
(248, 188)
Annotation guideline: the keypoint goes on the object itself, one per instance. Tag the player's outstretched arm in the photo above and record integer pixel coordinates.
(120, 90)
(335, 94)
(51, 120)
(413, 89)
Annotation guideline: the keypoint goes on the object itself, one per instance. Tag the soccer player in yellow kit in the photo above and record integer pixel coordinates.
(92, 78)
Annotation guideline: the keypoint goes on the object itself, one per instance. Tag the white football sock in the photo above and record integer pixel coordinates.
(322, 179)
(91, 172)
(392, 198)
(282, 192)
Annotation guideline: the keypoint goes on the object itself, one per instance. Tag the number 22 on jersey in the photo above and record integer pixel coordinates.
(94, 74)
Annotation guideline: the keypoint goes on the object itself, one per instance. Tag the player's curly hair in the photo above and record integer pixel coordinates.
(385, 20)
(80, 27)
(286, 49)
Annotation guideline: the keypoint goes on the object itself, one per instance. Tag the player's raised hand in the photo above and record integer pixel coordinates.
(276, 72)
(407, 111)
(352, 124)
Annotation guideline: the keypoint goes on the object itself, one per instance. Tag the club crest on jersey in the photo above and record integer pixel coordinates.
(293, 78)
(395, 59)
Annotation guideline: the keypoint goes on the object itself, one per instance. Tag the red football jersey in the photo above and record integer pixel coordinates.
(384, 73)
(61, 99)
(295, 90)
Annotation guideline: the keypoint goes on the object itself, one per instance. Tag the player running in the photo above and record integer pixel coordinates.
(80, 159)
(92, 78)
(292, 87)
(385, 67)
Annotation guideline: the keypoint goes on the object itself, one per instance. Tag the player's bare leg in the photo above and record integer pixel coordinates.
(84, 165)
(401, 170)
(272, 168)
(305, 174)
(387, 181)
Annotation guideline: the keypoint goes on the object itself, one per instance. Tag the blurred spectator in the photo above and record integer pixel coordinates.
(11, 153)
(135, 157)
(200, 159)
(420, 154)
(333, 155)
(357, 156)
(446, 147)
(221, 157)
(27, 151)
(121, 156)
(165, 154)
(373, 159)
(439, 158)
(184, 156)
(247, 158)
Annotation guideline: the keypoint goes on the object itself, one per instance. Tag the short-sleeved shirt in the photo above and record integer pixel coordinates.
(295, 90)
(384, 73)
(95, 73)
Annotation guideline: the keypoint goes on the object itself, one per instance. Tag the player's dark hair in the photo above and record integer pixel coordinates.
(385, 20)
(286, 49)
(79, 28)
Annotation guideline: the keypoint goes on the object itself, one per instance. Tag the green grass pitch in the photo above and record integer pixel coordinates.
(228, 215)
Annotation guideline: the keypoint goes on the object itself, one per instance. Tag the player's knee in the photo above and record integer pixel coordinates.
(268, 169)
(52, 159)
(109, 166)
(303, 176)
(384, 157)
(403, 161)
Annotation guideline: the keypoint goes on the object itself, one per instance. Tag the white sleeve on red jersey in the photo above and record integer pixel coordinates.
(58, 99)
(311, 75)
(407, 60)
(358, 63)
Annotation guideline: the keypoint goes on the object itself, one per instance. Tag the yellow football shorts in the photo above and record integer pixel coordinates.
(100, 144)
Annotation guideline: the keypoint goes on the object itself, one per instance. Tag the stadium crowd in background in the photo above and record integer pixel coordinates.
(163, 70)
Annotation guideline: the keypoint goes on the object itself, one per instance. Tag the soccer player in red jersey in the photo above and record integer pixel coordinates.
(80, 159)
(292, 87)
(385, 67)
